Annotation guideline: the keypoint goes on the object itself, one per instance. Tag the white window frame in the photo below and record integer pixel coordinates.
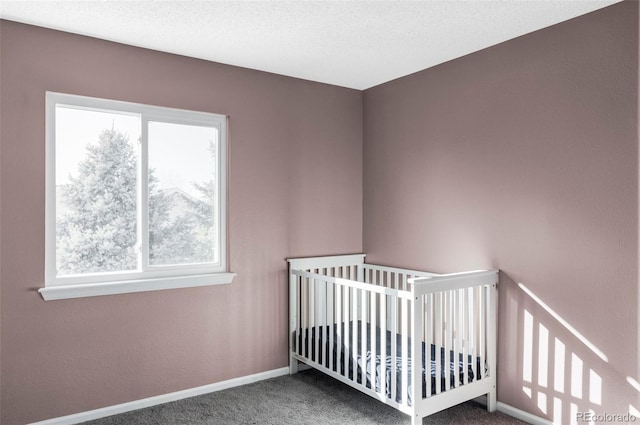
(147, 277)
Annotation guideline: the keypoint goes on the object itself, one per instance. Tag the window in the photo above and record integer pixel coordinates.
(135, 198)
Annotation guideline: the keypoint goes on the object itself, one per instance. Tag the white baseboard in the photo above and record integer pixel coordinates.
(522, 415)
(516, 413)
(164, 398)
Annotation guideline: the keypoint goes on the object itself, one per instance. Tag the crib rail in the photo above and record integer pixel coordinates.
(343, 266)
(391, 277)
(343, 311)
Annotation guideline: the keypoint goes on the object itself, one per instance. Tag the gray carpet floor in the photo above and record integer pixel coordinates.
(308, 398)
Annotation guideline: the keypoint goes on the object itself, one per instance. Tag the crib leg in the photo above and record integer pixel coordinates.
(293, 365)
(416, 420)
(492, 400)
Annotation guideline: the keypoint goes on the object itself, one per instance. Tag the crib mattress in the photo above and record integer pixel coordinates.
(365, 361)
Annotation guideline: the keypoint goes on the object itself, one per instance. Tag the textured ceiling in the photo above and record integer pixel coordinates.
(357, 44)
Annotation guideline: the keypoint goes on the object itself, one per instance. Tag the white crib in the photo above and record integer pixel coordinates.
(357, 322)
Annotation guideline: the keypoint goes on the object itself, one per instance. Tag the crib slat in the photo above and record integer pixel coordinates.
(317, 308)
(458, 327)
(417, 329)
(364, 338)
(347, 329)
(324, 336)
(482, 343)
(465, 327)
(429, 341)
(329, 321)
(490, 334)
(383, 345)
(305, 318)
(326, 326)
(298, 316)
(463, 331)
(405, 352)
(394, 348)
(331, 316)
(324, 348)
(394, 286)
(472, 327)
(339, 332)
(321, 311)
(354, 334)
(374, 350)
(447, 341)
(311, 317)
(438, 340)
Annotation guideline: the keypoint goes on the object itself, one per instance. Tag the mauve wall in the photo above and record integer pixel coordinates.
(295, 189)
(524, 157)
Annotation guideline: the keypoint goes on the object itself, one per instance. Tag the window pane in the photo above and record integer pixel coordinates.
(96, 160)
(183, 220)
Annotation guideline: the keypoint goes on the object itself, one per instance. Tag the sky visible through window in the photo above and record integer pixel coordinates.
(175, 167)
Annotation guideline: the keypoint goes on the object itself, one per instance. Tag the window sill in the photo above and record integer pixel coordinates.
(142, 285)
